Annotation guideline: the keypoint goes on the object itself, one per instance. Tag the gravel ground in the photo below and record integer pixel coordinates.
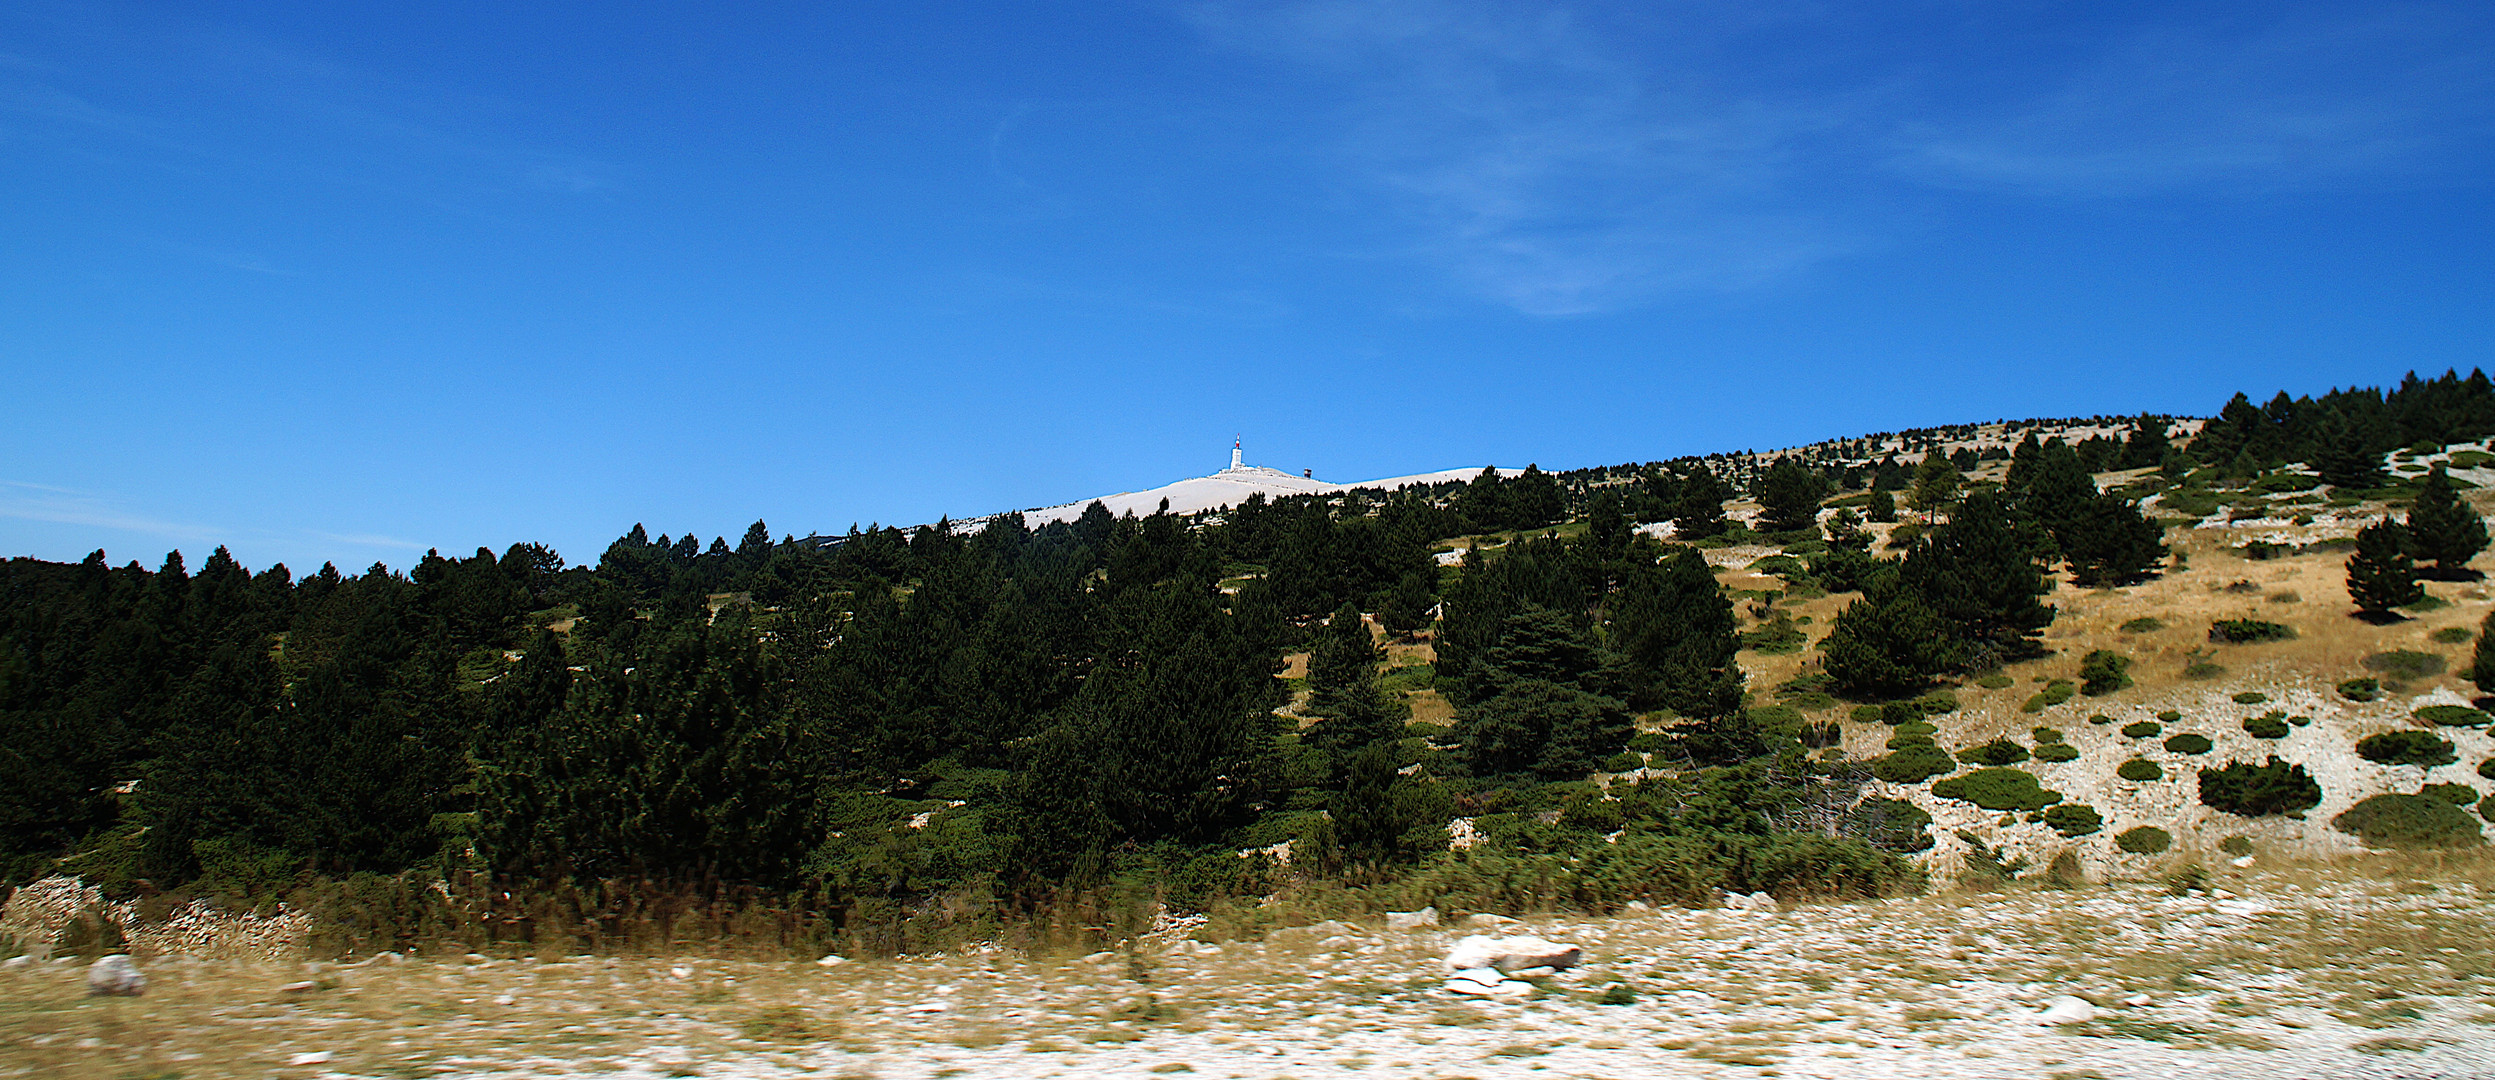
(2273, 974)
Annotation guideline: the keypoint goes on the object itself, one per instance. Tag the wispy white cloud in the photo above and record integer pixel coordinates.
(64, 506)
(1542, 168)
(2294, 98)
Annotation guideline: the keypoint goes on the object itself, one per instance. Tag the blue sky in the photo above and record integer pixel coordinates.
(345, 281)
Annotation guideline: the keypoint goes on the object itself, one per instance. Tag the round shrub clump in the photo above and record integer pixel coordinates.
(1864, 714)
(1997, 789)
(2421, 748)
(2270, 726)
(1996, 752)
(2452, 716)
(2142, 729)
(2409, 821)
(2486, 768)
(2140, 771)
(2057, 752)
(2044, 735)
(2144, 840)
(2405, 664)
(2188, 743)
(2248, 790)
(2360, 689)
(2455, 794)
(2100, 719)
(2170, 716)
(1904, 739)
(1913, 764)
(2251, 697)
(2074, 819)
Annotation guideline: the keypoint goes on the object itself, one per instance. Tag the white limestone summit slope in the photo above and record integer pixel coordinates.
(1230, 487)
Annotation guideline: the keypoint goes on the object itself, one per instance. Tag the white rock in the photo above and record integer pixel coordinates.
(1635, 907)
(2239, 862)
(1424, 919)
(316, 1057)
(2137, 1000)
(1486, 982)
(2066, 1010)
(17, 961)
(1478, 951)
(304, 987)
(832, 960)
(115, 976)
(1099, 958)
(504, 999)
(1757, 901)
(1338, 943)
(937, 1006)
(681, 972)
(1487, 921)
(384, 959)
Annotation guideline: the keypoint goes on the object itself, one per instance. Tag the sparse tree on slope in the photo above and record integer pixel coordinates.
(2380, 575)
(1790, 495)
(2444, 529)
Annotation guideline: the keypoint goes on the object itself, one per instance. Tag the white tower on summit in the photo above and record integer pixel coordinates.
(1234, 454)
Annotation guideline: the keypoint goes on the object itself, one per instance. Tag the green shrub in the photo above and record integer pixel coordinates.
(2421, 748)
(1996, 681)
(2073, 819)
(2486, 808)
(2405, 664)
(2170, 716)
(2143, 625)
(1890, 824)
(2044, 735)
(2188, 743)
(2057, 752)
(2238, 846)
(2104, 671)
(2452, 716)
(1620, 763)
(2271, 725)
(1894, 713)
(1651, 742)
(2360, 689)
(1865, 714)
(2452, 635)
(2140, 771)
(1913, 764)
(2144, 840)
(2100, 719)
(1937, 702)
(1996, 752)
(2054, 693)
(2249, 631)
(2408, 821)
(2455, 794)
(1997, 789)
(2300, 721)
(2248, 790)
(2251, 697)
(2142, 729)
(2486, 768)
(1904, 739)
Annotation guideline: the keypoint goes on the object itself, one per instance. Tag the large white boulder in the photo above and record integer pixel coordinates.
(2066, 1009)
(1479, 951)
(115, 976)
(1424, 919)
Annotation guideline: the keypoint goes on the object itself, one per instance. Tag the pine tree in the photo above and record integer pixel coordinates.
(2147, 446)
(2380, 575)
(1676, 628)
(1342, 657)
(1790, 495)
(2109, 542)
(2444, 529)
(1701, 510)
(1881, 507)
(1888, 644)
(1936, 484)
(2345, 462)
